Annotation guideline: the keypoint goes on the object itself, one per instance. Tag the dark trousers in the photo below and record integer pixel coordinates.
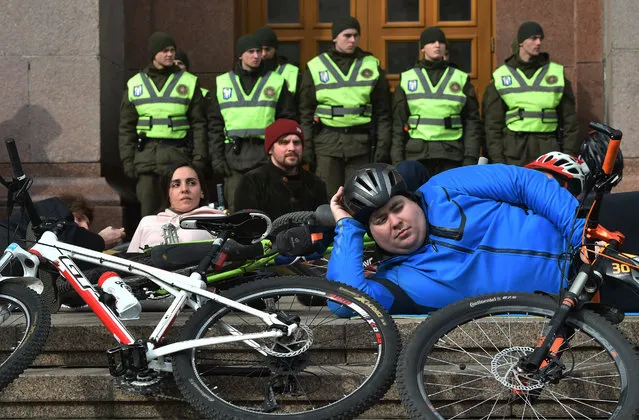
(436, 166)
(335, 170)
(149, 193)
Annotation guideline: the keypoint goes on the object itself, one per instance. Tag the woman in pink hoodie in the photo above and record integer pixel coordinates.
(186, 196)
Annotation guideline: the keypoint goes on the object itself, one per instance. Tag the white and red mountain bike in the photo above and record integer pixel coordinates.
(255, 352)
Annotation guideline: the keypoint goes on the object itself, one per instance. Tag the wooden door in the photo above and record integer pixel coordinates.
(390, 30)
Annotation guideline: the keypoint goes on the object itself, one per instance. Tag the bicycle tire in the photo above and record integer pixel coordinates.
(23, 317)
(471, 346)
(289, 220)
(249, 380)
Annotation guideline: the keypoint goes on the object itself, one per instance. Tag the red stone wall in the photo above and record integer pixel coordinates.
(573, 32)
(206, 30)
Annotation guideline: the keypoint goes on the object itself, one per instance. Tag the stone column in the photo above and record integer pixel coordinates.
(621, 53)
(62, 67)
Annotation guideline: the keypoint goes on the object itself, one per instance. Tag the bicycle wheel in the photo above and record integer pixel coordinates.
(460, 363)
(332, 368)
(24, 327)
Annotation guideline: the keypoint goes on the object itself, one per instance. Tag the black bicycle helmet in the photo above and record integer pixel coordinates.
(593, 152)
(370, 187)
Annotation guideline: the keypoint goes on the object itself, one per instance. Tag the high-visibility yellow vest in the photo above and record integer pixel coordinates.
(289, 72)
(344, 100)
(248, 115)
(162, 114)
(435, 111)
(532, 103)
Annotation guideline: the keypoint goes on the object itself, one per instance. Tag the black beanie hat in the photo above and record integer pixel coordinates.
(181, 55)
(245, 43)
(344, 23)
(266, 36)
(159, 41)
(431, 34)
(528, 29)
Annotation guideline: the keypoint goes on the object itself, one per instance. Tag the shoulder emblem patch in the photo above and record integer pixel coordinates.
(412, 85)
(551, 80)
(366, 73)
(269, 92)
(454, 87)
(506, 80)
(182, 89)
(323, 75)
(227, 93)
(138, 90)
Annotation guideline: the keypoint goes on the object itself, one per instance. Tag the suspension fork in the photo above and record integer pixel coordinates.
(551, 341)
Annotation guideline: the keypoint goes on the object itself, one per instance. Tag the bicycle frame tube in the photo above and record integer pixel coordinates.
(62, 254)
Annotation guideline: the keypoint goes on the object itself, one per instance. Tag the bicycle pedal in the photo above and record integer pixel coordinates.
(127, 358)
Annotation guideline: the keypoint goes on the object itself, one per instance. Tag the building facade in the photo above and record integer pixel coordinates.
(65, 64)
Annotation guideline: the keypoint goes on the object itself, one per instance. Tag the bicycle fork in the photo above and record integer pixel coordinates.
(551, 341)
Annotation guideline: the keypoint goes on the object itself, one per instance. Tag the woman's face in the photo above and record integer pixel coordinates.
(185, 190)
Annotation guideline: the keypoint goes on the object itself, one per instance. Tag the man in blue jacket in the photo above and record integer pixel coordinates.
(467, 231)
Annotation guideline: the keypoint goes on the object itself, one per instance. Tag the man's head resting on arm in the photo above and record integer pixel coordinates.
(377, 196)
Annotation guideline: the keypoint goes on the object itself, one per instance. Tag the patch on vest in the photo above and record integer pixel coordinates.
(323, 76)
(269, 92)
(551, 80)
(366, 73)
(182, 89)
(412, 85)
(454, 87)
(506, 80)
(137, 90)
(226, 93)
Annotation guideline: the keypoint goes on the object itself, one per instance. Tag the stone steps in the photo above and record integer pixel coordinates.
(70, 378)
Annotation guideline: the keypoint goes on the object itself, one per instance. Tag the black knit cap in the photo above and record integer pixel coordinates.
(159, 41)
(266, 36)
(528, 29)
(181, 55)
(432, 34)
(344, 23)
(245, 43)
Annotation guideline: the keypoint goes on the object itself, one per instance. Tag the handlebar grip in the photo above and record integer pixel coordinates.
(14, 158)
(611, 156)
(324, 216)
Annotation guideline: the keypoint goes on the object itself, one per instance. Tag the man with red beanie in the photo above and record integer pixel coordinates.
(281, 185)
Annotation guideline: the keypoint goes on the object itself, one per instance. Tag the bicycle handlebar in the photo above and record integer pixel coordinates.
(612, 133)
(21, 183)
(14, 158)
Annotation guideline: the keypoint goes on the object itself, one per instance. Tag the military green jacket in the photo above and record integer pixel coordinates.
(380, 99)
(505, 146)
(158, 156)
(465, 150)
(251, 155)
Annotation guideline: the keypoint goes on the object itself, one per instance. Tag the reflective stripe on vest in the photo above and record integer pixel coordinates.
(532, 103)
(344, 101)
(289, 72)
(162, 114)
(435, 111)
(248, 115)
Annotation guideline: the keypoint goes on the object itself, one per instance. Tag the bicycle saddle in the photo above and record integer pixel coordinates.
(246, 226)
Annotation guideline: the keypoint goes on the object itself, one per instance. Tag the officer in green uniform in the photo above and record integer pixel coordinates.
(277, 63)
(529, 107)
(162, 122)
(435, 111)
(344, 108)
(247, 99)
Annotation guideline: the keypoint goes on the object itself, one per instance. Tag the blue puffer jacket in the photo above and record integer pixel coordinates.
(492, 228)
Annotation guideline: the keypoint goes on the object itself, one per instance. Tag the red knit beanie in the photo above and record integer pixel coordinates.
(279, 128)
